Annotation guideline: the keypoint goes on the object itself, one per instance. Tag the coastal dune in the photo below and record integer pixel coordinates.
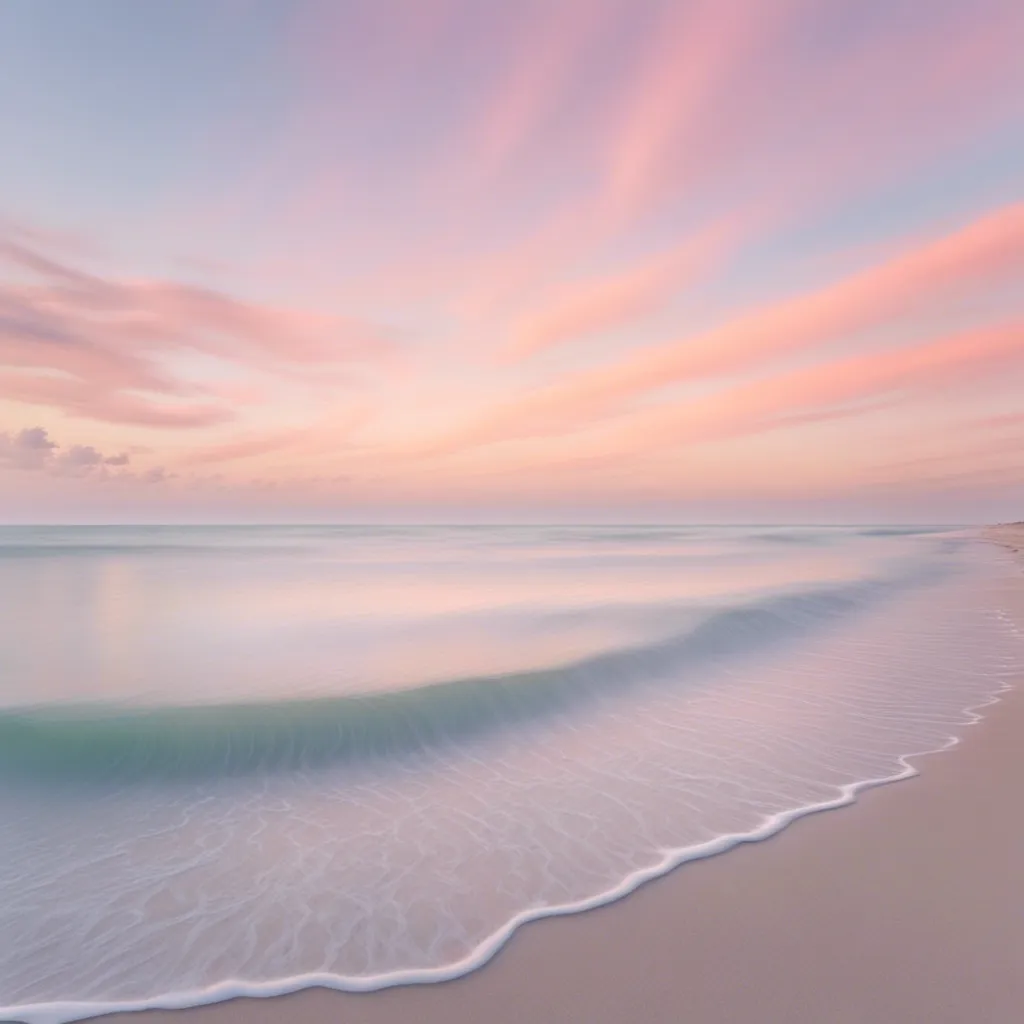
(904, 907)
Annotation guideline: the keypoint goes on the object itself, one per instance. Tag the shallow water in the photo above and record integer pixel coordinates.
(250, 759)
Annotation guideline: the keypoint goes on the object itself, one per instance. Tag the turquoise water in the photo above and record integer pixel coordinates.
(253, 759)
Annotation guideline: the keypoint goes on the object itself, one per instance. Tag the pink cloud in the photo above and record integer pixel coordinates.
(508, 180)
(660, 130)
(91, 345)
(828, 390)
(218, 323)
(246, 448)
(533, 84)
(715, 99)
(600, 304)
(661, 449)
(652, 137)
(982, 253)
(91, 397)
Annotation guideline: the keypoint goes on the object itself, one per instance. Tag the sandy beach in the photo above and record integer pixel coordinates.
(904, 907)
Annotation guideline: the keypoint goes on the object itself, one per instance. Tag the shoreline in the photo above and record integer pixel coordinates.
(594, 944)
(228, 992)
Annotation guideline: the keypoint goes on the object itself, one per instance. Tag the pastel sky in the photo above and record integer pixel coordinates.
(460, 260)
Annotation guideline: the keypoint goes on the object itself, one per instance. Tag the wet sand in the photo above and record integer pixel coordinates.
(906, 907)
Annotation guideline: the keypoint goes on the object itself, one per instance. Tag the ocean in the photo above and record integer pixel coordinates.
(247, 760)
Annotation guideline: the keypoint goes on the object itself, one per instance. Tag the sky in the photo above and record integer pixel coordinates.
(470, 260)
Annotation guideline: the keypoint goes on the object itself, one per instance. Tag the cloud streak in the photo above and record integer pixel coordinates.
(985, 252)
(624, 298)
(455, 251)
(91, 346)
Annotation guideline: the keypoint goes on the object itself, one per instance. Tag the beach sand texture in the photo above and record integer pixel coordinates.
(906, 907)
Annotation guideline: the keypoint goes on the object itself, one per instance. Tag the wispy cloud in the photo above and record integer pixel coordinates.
(982, 254)
(92, 345)
(531, 85)
(832, 389)
(469, 251)
(626, 297)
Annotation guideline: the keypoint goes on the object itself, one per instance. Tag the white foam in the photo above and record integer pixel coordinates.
(64, 1012)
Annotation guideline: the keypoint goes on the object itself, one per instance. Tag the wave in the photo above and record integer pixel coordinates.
(68, 1011)
(98, 742)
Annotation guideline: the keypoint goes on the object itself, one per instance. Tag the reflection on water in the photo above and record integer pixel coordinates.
(176, 615)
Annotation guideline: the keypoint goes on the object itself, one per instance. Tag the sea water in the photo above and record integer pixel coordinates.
(252, 759)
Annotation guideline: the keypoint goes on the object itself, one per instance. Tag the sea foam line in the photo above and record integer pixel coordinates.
(67, 1011)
